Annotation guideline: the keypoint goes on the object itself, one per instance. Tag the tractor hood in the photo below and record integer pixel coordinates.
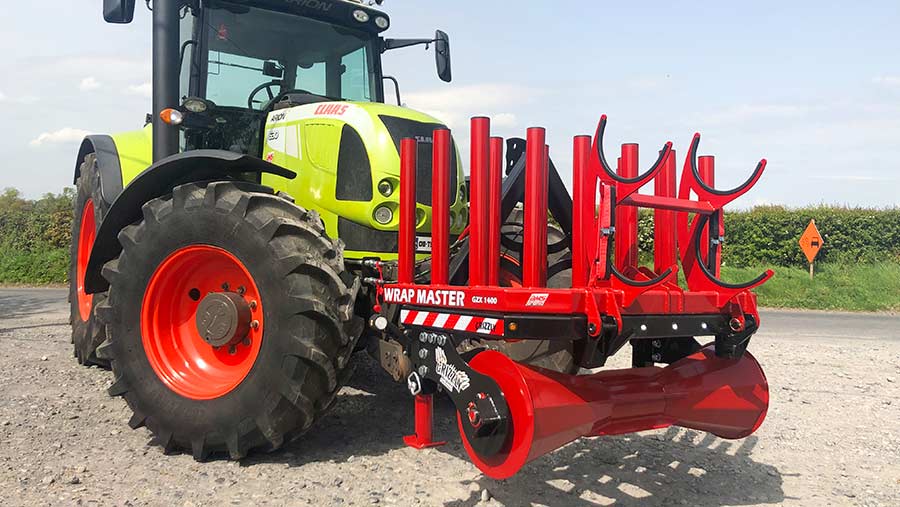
(347, 158)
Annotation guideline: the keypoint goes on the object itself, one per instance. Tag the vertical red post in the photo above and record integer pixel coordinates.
(406, 262)
(494, 218)
(706, 165)
(478, 206)
(664, 220)
(626, 216)
(422, 438)
(583, 190)
(534, 256)
(440, 208)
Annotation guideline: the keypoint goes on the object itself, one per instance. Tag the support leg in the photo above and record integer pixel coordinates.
(422, 438)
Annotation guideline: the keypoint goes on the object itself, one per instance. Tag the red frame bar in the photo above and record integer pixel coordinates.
(706, 166)
(440, 208)
(669, 203)
(626, 216)
(534, 255)
(479, 205)
(406, 261)
(498, 301)
(423, 437)
(494, 218)
(584, 189)
(664, 255)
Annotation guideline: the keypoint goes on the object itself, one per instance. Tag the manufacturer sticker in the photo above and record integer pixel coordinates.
(537, 299)
(429, 297)
(332, 109)
(484, 300)
(451, 378)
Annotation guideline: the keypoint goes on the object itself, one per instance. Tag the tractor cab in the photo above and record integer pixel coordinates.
(238, 60)
(241, 61)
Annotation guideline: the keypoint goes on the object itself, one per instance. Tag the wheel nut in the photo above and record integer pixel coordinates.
(232, 350)
(225, 286)
(246, 342)
(254, 324)
(241, 290)
(253, 305)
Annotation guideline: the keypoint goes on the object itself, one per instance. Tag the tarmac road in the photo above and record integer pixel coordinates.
(777, 323)
(831, 436)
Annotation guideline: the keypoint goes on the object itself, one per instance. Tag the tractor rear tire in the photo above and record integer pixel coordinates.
(254, 393)
(556, 355)
(89, 209)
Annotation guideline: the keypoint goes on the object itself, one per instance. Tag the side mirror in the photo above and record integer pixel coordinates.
(118, 11)
(442, 56)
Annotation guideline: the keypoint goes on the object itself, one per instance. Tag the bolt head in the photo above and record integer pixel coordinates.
(643, 327)
(423, 370)
(674, 326)
(703, 325)
(423, 353)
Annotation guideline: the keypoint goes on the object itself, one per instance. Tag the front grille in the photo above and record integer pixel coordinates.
(401, 128)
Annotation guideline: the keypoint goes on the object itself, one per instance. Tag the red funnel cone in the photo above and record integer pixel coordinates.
(726, 397)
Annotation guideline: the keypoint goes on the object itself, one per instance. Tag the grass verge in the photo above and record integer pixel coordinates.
(850, 287)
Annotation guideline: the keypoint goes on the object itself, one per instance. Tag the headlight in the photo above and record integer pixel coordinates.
(381, 22)
(195, 105)
(383, 215)
(385, 188)
(361, 16)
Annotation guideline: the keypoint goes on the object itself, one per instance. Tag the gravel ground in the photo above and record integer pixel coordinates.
(832, 437)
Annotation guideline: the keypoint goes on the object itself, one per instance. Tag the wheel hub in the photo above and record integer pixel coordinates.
(223, 318)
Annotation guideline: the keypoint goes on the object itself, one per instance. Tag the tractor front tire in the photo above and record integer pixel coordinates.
(287, 355)
(89, 210)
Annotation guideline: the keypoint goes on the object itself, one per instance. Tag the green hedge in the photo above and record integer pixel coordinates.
(35, 235)
(769, 235)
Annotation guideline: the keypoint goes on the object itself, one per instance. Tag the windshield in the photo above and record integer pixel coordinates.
(248, 47)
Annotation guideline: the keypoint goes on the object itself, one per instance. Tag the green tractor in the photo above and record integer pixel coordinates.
(218, 252)
(226, 257)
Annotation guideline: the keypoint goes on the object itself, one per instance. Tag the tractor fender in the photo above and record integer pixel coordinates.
(104, 148)
(157, 180)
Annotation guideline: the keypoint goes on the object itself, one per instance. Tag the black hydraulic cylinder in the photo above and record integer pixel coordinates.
(166, 56)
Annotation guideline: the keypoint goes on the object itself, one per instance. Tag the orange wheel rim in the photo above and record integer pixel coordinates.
(182, 360)
(87, 232)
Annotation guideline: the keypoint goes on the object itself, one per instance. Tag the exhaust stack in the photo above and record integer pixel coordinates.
(726, 397)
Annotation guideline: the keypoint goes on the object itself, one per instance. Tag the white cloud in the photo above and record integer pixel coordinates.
(746, 112)
(505, 120)
(24, 99)
(88, 84)
(63, 135)
(454, 106)
(144, 90)
(889, 81)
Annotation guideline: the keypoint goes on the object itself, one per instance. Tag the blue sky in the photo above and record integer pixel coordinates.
(812, 86)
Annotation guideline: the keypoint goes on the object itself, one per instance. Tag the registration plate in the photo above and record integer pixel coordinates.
(423, 244)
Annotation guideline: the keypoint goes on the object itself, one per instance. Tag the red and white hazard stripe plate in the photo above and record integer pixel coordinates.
(453, 322)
